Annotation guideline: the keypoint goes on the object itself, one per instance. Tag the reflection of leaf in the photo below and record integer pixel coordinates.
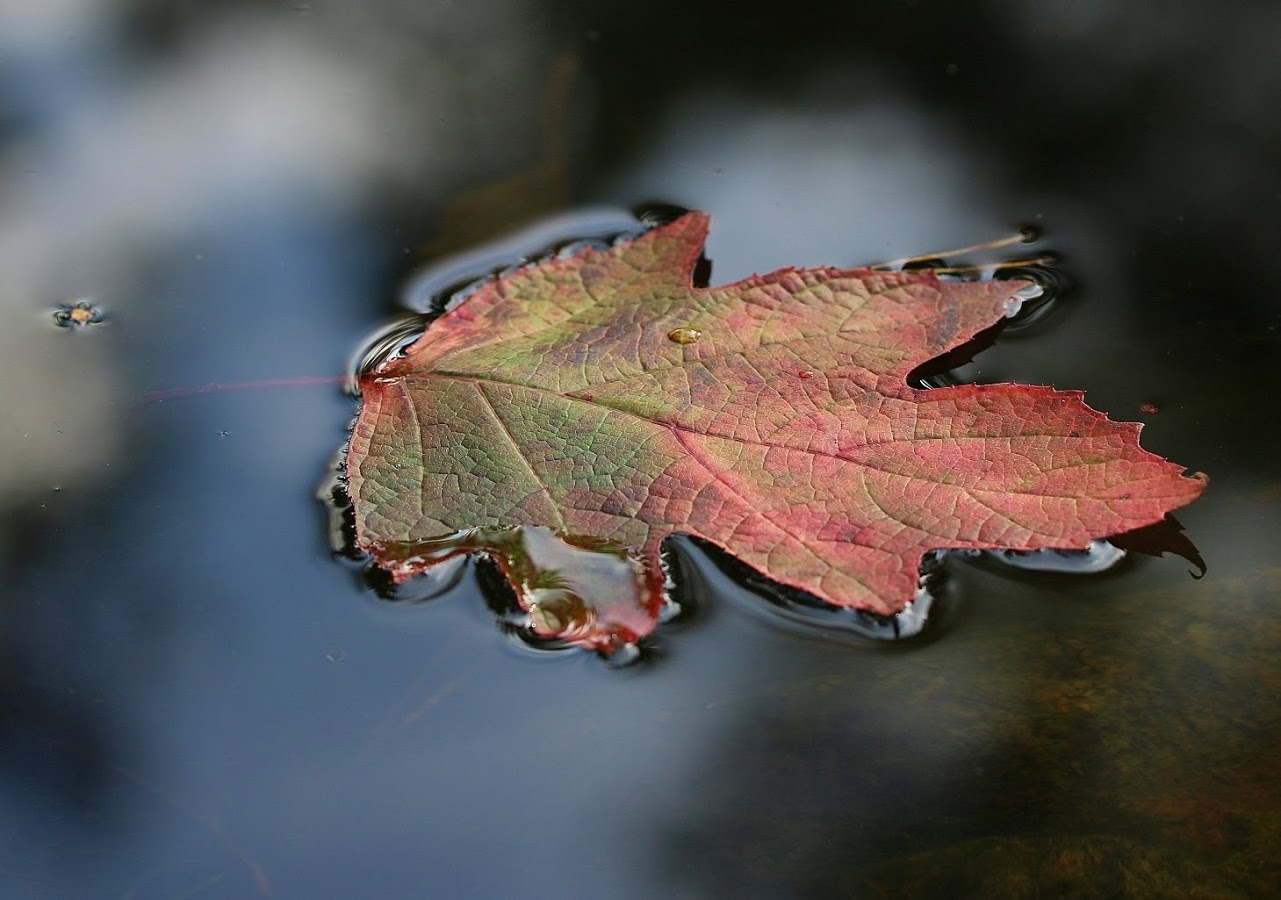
(604, 395)
(1160, 538)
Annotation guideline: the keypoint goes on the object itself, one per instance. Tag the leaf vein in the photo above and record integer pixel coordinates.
(520, 454)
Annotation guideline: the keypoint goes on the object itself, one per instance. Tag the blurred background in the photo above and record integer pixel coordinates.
(197, 700)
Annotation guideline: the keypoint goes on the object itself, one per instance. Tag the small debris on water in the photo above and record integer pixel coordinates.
(79, 314)
(684, 335)
(1150, 408)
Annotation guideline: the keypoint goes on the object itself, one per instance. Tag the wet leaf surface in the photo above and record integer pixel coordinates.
(605, 397)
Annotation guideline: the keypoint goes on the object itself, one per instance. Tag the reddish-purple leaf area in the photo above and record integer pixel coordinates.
(604, 397)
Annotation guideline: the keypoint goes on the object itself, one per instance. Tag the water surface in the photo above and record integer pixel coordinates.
(198, 700)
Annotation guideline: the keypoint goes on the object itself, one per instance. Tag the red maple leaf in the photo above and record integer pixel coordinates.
(604, 399)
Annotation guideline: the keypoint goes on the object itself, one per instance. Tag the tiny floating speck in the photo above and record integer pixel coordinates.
(684, 335)
(80, 314)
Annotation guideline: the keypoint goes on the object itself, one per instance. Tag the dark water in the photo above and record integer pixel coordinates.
(198, 700)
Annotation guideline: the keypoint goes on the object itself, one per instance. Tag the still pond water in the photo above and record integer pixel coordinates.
(197, 699)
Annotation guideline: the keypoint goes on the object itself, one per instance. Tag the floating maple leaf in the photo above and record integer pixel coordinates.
(607, 400)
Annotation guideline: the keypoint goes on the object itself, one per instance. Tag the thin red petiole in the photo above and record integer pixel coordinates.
(174, 393)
